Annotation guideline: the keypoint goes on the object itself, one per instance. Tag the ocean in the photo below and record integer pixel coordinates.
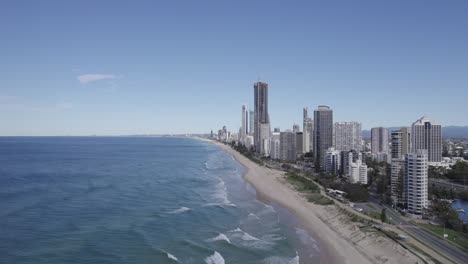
(137, 200)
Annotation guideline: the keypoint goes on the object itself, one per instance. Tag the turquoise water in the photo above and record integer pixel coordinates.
(137, 200)
(457, 204)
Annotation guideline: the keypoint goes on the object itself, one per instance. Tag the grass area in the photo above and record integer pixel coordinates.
(307, 186)
(458, 238)
(302, 184)
(319, 199)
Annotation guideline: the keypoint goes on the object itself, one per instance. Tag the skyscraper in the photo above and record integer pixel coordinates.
(251, 123)
(323, 133)
(307, 131)
(426, 134)
(379, 140)
(332, 161)
(288, 145)
(299, 143)
(347, 136)
(262, 119)
(242, 133)
(415, 182)
(275, 145)
(401, 142)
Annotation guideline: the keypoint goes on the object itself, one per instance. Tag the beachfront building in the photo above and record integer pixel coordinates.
(275, 145)
(251, 123)
(249, 142)
(323, 134)
(262, 119)
(347, 136)
(415, 182)
(307, 130)
(243, 129)
(426, 134)
(288, 146)
(299, 143)
(332, 158)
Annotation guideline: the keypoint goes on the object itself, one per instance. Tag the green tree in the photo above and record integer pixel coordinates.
(383, 215)
(463, 195)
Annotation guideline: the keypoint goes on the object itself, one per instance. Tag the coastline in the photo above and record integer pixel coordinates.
(340, 240)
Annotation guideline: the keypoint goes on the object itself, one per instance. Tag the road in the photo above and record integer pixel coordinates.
(448, 185)
(437, 243)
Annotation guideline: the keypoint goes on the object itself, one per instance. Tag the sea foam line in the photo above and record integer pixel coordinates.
(180, 210)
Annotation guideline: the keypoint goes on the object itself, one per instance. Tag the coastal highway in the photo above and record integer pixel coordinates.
(437, 243)
(448, 185)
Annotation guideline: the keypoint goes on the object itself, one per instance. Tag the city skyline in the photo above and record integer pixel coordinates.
(159, 68)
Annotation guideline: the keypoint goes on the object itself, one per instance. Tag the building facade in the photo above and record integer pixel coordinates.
(415, 182)
(379, 140)
(288, 146)
(261, 118)
(401, 142)
(307, 130)
(332, 161)
(323, 134)
(275, 146)
(426, 134)
(348, 136)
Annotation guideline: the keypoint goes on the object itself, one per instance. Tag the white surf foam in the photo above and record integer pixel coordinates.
(282, 260)
(220, 196)
(216, 258)
(245, 236)
(180, 210)
(221, 236)
(170, 256)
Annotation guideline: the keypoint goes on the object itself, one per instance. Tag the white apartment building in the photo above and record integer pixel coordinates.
(416, 178)
(332, 161)
(426, 134)
(347, 136)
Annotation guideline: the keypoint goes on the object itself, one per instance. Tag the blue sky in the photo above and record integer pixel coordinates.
(136, 67)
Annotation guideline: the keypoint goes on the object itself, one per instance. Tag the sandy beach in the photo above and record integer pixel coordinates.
(342, 240)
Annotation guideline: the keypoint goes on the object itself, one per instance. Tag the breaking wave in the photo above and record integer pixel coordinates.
(221, 236)
(216, 258)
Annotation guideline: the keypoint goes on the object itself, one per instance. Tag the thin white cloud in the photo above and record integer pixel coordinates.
(87, 78)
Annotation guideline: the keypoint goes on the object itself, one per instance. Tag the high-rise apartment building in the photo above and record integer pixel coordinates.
(358, 172)
(307, 130)
(426, 134)
(262, 119)
(332, 161)
(323, 134)
(251, 122)
(348, 136)
(242, 132)
(401, 142)
(299, 143)
(379, 140)
(275, 145)
(288, 145)
(415, 182)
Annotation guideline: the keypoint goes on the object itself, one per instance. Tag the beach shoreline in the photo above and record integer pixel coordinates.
(339, 241)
